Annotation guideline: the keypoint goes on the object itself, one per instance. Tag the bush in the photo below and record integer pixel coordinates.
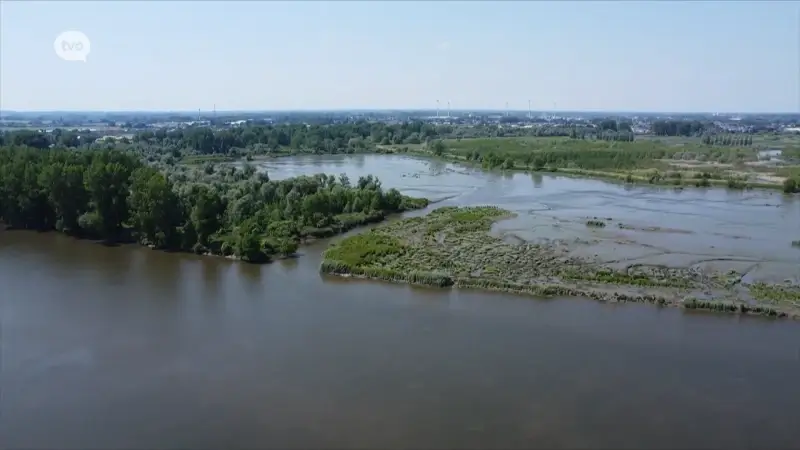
(790, 185)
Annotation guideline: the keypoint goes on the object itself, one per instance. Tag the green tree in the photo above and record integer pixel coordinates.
(438, 148)
(108, 185)
(67, 194)
(155, 211)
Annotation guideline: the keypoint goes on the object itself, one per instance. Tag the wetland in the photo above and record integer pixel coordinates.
(118, 347)
(717, 249)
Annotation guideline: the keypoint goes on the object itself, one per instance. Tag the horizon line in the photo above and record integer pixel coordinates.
(394, 109)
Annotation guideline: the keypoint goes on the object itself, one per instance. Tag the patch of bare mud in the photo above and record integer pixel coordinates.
(725, 265)
(774, 272)
(652, 229)
(451, 247)
(731, 236)
(696, 164)
(611, 252)
(770, 179)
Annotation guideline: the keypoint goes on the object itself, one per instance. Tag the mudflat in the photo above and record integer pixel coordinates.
(452, 246)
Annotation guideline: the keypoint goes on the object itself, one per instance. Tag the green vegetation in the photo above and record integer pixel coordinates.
(549, 153)
(451, 247)
(682, 153)
(678, 127)
(776, 294)
(730, 140)
(688, 163)
(113, 196)
(790, 185)
(731, 307)
(595, 223)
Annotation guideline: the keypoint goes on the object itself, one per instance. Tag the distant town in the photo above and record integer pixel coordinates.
(120, 125)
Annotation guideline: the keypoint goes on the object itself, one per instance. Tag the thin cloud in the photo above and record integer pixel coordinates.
(443, 46)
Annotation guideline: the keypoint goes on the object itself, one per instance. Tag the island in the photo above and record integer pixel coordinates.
(452, 246)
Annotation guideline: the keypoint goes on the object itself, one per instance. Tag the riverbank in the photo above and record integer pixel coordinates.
(678, 178)
(226, 248)
(660, 172)
(451, 247)
(675, 174)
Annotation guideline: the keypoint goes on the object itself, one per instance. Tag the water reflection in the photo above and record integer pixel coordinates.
(251, 277)
(211, 276)
(289, 264)
(358, 161)
(537, 179)
(437, 166)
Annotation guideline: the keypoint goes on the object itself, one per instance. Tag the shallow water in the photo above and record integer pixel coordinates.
(131, 348)
(667, 226)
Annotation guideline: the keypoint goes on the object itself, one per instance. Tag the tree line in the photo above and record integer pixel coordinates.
(612, 125)
(41, 140)
(608, 135)
(678, 128)
(344, 138)
(113, 196)
(735, 140)
(322, 138)
(293, 137)
(596, 159)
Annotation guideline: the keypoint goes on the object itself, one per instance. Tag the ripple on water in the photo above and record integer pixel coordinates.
(713, 223)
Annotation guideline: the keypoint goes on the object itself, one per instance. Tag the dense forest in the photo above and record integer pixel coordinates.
(345, 138)
(113, 196)
(296, 138)
(338, 138)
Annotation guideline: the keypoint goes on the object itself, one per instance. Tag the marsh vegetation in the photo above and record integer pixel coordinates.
(690, 162)
(452, 247)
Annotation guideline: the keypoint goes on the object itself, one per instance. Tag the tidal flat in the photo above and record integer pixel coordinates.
(452, 246)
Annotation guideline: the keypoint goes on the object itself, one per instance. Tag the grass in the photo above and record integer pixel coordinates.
(775, 293)
(365, 249)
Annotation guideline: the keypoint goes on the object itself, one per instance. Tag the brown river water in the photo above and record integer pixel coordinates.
(125, 347)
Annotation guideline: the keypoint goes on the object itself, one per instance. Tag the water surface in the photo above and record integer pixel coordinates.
(131, 348)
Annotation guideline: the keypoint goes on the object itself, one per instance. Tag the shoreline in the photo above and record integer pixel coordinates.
(127, 239)
(462, 255)
(609, 176)
(545, 292)
(625, 178)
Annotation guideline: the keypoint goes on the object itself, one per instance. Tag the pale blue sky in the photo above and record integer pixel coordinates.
(620, 56)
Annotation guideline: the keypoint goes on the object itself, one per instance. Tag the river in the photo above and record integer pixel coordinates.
(125, 347)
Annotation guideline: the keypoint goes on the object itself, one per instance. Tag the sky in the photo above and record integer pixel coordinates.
(689, 56)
